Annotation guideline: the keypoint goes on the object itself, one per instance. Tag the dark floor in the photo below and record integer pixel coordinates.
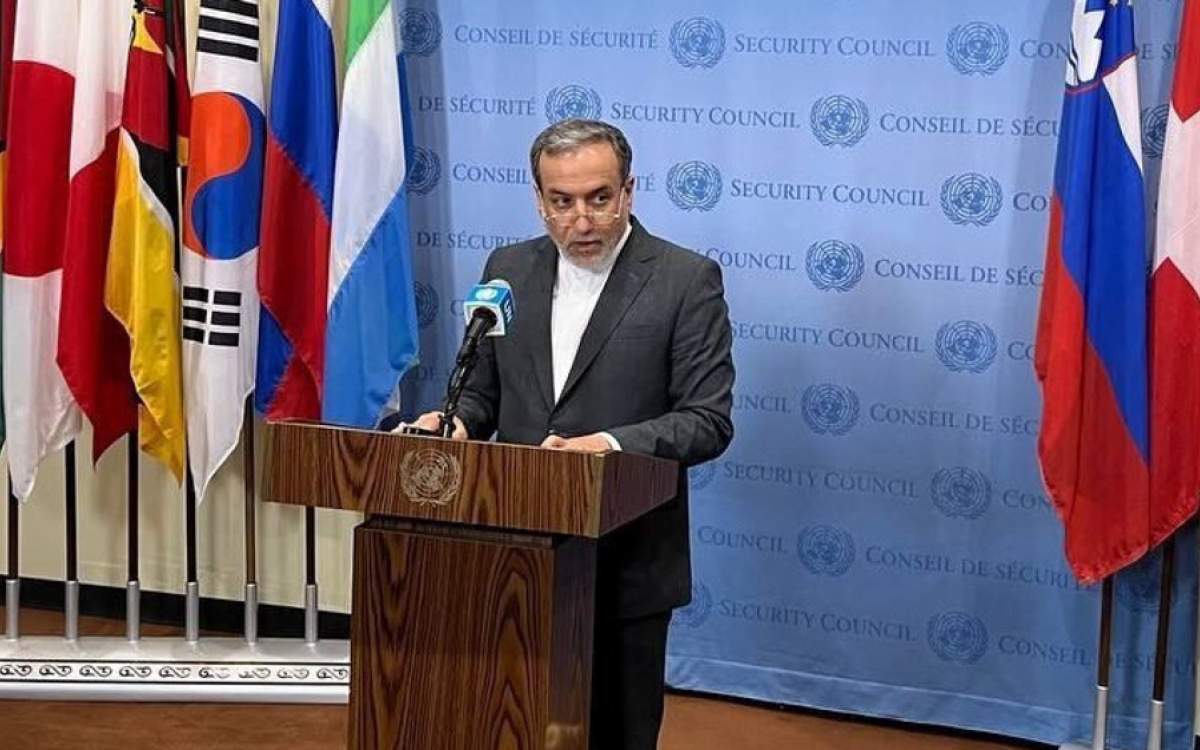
(692, 722)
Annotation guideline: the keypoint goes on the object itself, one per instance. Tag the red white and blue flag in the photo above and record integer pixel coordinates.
(1175, 303)
(293, 264)
(1091, 351)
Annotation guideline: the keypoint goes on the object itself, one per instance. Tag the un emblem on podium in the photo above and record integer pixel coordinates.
(966, 346)
(826, 550)
(960, 492)
(430, 476)
(957, 637)
(694, 185)
(427, 304)
(697, 611)
(420, 31)
(977, 48)
(572, 101)
(971, 198)
(424, 172)
(1154, 130)
(829, 409)
(839, 120)
(834, 265)
(697, 42)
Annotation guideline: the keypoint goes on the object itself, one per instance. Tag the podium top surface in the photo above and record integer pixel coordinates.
(494, 485)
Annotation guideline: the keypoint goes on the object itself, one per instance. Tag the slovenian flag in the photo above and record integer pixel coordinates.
(1175, 299)
(293, 263)
(371, 338)
(1091, 354)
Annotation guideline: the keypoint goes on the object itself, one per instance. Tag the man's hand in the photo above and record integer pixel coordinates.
(432, 420)
(594, 443)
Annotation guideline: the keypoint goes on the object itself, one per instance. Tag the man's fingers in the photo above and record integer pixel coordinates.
(554, 441)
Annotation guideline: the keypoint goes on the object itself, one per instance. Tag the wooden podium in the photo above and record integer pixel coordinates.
(474, 578)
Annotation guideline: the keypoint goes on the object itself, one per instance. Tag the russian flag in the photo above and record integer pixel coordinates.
(293, 265)
(1175, 301)
(372, 330)
(1091, 353)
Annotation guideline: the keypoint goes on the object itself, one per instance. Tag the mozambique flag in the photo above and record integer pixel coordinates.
(141, 286)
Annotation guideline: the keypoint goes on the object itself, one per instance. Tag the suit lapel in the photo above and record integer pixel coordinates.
(629, 275)
(537, 313)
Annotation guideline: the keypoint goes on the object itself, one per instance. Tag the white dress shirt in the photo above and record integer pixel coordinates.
(576, 292)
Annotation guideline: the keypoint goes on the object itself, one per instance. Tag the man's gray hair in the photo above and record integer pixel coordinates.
(568, 135)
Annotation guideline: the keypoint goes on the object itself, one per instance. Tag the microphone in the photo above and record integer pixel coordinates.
(488, 310)
(495, 297)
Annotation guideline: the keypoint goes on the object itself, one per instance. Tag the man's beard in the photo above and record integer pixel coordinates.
(593, 261)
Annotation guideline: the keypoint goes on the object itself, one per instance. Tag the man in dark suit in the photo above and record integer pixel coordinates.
(621, 342)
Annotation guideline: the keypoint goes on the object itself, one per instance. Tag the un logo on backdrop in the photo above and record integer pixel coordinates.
(957, 637)
(701, 476)
(695, 613)
(420, 31)
(694, 185)
(834, 264)
(960, 492)
(427, 304)
(829, 409)
(971, 198)
(697, 42)
(977, 48)
(1154, 130)
(826, 550)
(839, 120)
(966, 346)
(572, 101)
(424, 172)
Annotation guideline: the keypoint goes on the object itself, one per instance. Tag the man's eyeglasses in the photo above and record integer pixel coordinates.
(601, 212)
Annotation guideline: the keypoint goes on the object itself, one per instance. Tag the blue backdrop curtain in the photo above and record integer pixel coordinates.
(873, 177)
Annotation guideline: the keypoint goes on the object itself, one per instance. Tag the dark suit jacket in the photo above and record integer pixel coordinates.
(654, 369)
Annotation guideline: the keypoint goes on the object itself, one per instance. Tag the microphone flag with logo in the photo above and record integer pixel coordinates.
(221, 208)
(297, 203)
(41, 414)
(371, 335)
(93, 349)
(141, 287)
(1090, 354)
(1175, 300)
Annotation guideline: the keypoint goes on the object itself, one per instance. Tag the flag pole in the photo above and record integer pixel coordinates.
(248, 494)
(12, 585)
(1196, 671)
(1103, 659)
(71, 589)
(310, 568)
(1167, 579)
(192, 587)
(133, 598)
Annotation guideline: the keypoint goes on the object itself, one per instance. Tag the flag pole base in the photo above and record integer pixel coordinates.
(251, 613)
(12, 608)
(191, 617)
(133, 612)
(310, 613)
(71, 609)
(1155, 737)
